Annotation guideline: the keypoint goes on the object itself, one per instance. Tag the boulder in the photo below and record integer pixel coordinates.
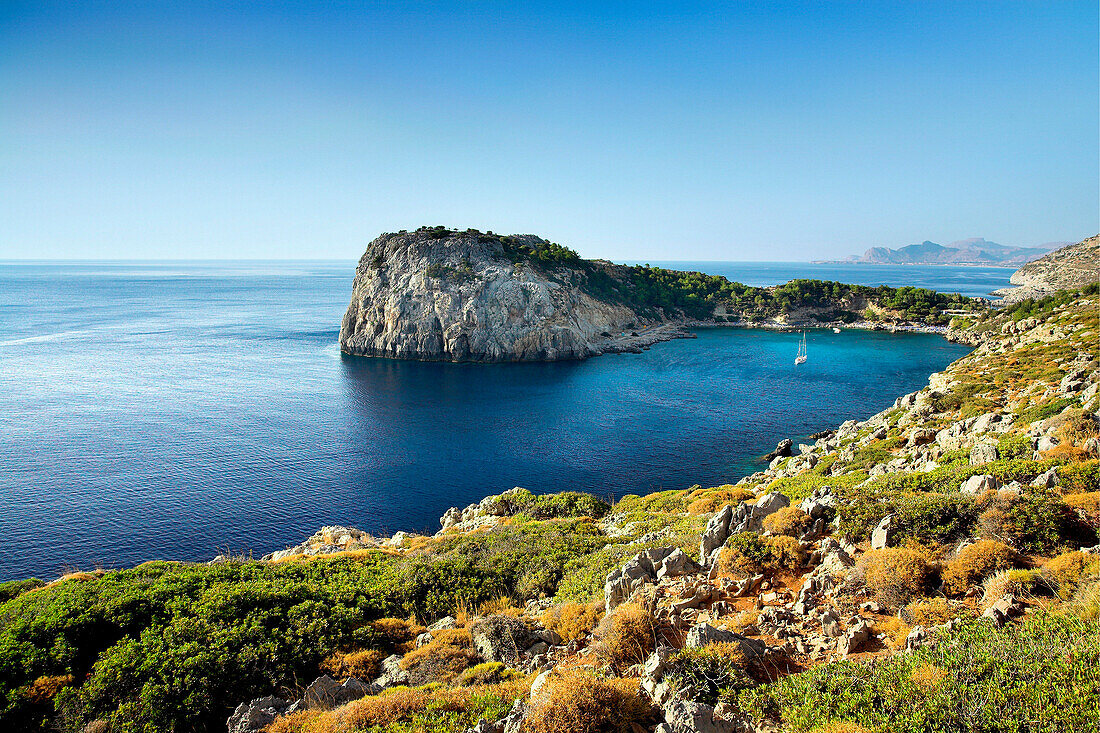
(687, 716)
(856, 636)
(820, 503)
(501, 638)
(782, 450)
(641, 569)
(323, 692)
(447, 622)
(918, 636)
(1047, 479)
(715, 535)
(676, 564)
(982, 453)
(702, 634)
(830, 623)
(256, 715)
(980, 484)
(392, 674)
(883, 534)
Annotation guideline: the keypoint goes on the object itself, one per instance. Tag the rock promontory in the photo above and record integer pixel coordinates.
(437, 294)
(1073, 266)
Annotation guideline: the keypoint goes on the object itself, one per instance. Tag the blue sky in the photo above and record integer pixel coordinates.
(663, 131)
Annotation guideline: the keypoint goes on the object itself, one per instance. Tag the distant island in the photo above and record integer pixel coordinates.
(976, 251)
(439, 294)
(1075, 266)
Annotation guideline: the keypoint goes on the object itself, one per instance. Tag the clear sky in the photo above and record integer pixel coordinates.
(632, 130)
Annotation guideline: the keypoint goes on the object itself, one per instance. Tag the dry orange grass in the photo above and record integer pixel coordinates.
(1087, 506)
(927, 676)
(580, 702)
(442, 659)
(841, 726)
(364, 664)
(974, 563)
(625, 636)
(44, 689)
(395, 706)
(571, 620)
(502, 605)
(933, 612)
(397, 634)
(790, 521)
(895, 574)
(705, 501)
(895, 629)
(1070, 570)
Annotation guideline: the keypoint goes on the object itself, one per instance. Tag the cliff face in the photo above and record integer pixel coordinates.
(1069, 267)
(439, 295)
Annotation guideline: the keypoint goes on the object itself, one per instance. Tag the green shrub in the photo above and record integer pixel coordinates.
(1041, 675)
(12, 588)
(715, 671)
(1080, 477)
(1040, 521)
(1044, 410)
(1014, 446)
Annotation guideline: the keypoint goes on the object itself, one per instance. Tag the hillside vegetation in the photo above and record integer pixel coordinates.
(933, 567)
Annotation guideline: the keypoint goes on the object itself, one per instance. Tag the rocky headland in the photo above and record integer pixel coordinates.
(1074, 266)
(440, 294)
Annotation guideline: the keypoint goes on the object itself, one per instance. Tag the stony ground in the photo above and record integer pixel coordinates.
(968, 509)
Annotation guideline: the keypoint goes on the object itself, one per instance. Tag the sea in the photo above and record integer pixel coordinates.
(181, 410)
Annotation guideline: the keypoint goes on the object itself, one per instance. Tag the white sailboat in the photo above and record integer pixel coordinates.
(836, 330)
(801, 350)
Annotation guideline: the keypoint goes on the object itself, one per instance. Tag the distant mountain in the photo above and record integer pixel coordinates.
(976, 251)
(1070, 267)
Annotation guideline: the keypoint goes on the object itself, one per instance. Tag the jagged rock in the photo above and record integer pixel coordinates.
(830, 623)
(782, 449)
(256, 715)
(321, 693)
(447, 622)
(641, 569)
(750, 517)
(715, 535)
(835, 558)
(702, 634)
(687, 716)
(920, 436)
(392, 674)
(917, 637)
(1047, 479)
(501, 638)
(979, 484)
(883, 534)
(676, 564)
(1047, 442)
(820, 503)
(982, 453)
(1005, 608)
(855, 637)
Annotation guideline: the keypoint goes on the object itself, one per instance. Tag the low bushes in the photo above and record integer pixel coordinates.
(1079, 477)
(580, 702)
(1041, 675)
(705, 501)
(714, 671)
(932, 612)
(448, 654)
(750, 552)
(570, 620)
(625, 636)
(486, 673)
(790, 521)
(1070, 570)
(894, 574)
(973, 563)
(1018, 582)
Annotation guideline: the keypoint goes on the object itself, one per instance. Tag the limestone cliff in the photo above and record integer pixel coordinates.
(442, 295)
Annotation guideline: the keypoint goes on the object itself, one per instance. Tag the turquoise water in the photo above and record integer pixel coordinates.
(166, 410)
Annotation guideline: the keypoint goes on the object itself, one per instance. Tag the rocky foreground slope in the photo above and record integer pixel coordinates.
(939, 537)
(932, 567)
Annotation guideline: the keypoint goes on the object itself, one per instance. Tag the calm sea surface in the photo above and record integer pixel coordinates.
(174, 410)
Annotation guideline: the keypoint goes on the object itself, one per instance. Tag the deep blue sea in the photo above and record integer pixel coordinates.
(176, 410)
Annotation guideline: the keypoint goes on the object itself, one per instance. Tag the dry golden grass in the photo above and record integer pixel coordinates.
(974, 563)
(927, 676)
(502, 605)
(571, 620)
(43, 689)
(625, 636)
(442, 659)
(1018, 582)
(705, 501)
(841, 726)
(364, 664)
(1087, 506)
(397, 634)
(789, 520)
(578, 701)
(1070, 570)
(895, 574)
(895, 629)
(394, 706)
(933, 612)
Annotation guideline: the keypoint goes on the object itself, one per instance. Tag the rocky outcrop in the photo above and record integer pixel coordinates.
(1069, 267)
(442, 295)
